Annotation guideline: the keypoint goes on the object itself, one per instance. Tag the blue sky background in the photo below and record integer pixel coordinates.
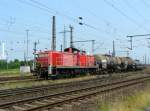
(111, 19)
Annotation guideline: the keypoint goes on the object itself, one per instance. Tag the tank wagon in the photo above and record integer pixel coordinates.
(109, 64)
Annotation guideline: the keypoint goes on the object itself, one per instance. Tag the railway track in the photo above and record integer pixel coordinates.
(20, 80)
(53, 100)
(17, 94)
(17, 81)
(7, 79)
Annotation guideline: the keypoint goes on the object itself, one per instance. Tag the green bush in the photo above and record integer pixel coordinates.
(15, 64)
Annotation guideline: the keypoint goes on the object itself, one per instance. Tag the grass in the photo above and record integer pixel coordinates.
(146, 70)
(40, 83)
(11, 73)
(137, 102)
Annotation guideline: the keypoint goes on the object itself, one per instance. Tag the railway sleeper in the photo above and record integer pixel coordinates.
(30, 105)
(18, 108)
(56, 99)
(58, 109)
(49, 100)
(62, 97)
(40, 103)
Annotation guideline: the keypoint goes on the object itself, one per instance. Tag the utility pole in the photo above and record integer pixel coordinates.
(145, 59)
(64, 39)
(71, 36)
(109, 52)
(53, 47)
(114, 53)
(35, 49)
(27, 31)
(131, 42)
(61, 47)
(24, 54)
(131, 39)
(127, 53)
(93, 43)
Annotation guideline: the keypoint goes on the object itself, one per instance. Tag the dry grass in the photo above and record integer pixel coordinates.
(146, 70)
(40, 83)
(137, 102)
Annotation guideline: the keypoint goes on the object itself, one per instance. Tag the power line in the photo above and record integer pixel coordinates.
(49, 10)
(145, 3)
(45, 8)
(40, 4)
(4, 30)
(125, 15)
(37, 27)
(56, 12)
(137, 13)
(61, 14)
(33, 5)
(96, 17)
(134, 9)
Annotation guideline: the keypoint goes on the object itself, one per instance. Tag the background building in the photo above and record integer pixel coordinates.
(2, 52)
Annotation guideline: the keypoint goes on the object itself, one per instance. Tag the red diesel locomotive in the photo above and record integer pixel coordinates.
(70, 62)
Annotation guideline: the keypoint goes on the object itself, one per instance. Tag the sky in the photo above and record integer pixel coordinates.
(103, 21)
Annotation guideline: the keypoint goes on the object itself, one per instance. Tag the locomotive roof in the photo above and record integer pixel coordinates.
(73, 49)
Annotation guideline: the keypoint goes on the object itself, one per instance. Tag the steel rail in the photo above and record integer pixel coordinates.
(130, 81)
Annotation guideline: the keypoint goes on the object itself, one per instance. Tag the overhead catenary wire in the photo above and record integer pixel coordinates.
(36, 6)
(88, 10)
(137, 12)
(145, 3)
(55, 11)
(7, 28)
(134, 9)
(43, 7)
(126, 16)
